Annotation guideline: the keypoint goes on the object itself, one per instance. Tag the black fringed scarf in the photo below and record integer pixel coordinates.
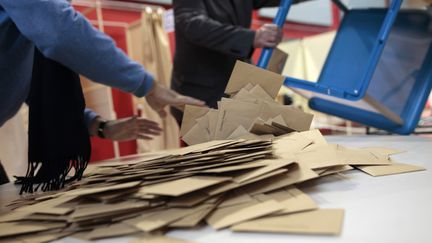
(58, 136)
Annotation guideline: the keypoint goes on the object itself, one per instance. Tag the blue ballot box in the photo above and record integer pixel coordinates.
(379, 69)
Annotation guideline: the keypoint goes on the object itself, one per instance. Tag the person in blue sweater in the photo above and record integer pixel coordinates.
(52, 33)
(64, 35)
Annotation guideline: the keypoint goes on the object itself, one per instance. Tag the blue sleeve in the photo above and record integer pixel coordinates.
(89, 116)
(64, 35)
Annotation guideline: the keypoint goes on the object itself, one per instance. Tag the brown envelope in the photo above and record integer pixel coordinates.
(297, 173)
(235, 198)
(245, 95)
(383, 151)
(361, 157)
(213, 119)
(190, 114)
(238, 132)
(277, 61)
(13, 229)
(162, 218)
(320, 157)
(110, 231)
(87, 191)
(196, 135)
(323, 221)
(396, 168)
(286, 145)
(261, 94)
(272, 165)
(333, 170)
(315, 135)
(245, 73)
(227, 216)
(293, 200)
(233, 114)
(293, 117)
(183, 186)
(194, 218)
(103, 210)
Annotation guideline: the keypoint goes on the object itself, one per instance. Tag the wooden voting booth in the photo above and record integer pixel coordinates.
(379, 69)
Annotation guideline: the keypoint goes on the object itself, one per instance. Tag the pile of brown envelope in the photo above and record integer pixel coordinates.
(243, 185)
(240, 184)
(251, 112)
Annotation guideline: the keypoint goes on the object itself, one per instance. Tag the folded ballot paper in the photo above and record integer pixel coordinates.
(251, 112)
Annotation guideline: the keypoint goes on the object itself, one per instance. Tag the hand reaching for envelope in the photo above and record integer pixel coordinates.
(127, 128)
(268, 35)
(160, 97)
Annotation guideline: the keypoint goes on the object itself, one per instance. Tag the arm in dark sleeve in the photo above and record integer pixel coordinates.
(271, 3)
(192, 20)
(266, 3)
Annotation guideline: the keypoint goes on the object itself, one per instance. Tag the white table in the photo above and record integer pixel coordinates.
(391, 209)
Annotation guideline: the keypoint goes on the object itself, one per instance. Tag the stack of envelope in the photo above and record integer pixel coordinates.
(251, 112)
(243, 172)
(242, 185)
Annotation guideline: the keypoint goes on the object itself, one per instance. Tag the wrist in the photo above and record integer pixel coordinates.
(101, 129)
(98, 127)
(94, 125)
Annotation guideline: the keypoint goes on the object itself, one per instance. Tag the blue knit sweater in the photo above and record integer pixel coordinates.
(64, 35)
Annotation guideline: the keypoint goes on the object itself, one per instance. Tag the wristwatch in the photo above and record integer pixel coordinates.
(101, 127)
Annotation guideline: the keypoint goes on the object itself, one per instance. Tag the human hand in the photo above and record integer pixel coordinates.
(131, 128)
(268, 35)
(159, 97)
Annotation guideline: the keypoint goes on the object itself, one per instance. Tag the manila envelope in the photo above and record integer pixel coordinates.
(213, 119)
(293, 117)
(272, 165)
(233, 114)
(111, 231)
(293, 200)
(162, 218)
(245, 73)
(258, 92)
(14, 229)
(182, 186)
(261, 127)
(196, 135)
(89, 191)
(320, 157)
(333, 170)
(379, 151)
(232, 215)
(277, 61)
(190, 114)
(322, 221)
(361, 157)
(245, 95)
(286, 145)
(315, 135)
(194, 218)
(296, 173)
(396, 168)
(238, 132)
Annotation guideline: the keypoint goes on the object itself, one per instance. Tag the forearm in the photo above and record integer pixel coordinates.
(64, 35)
(92, 120)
